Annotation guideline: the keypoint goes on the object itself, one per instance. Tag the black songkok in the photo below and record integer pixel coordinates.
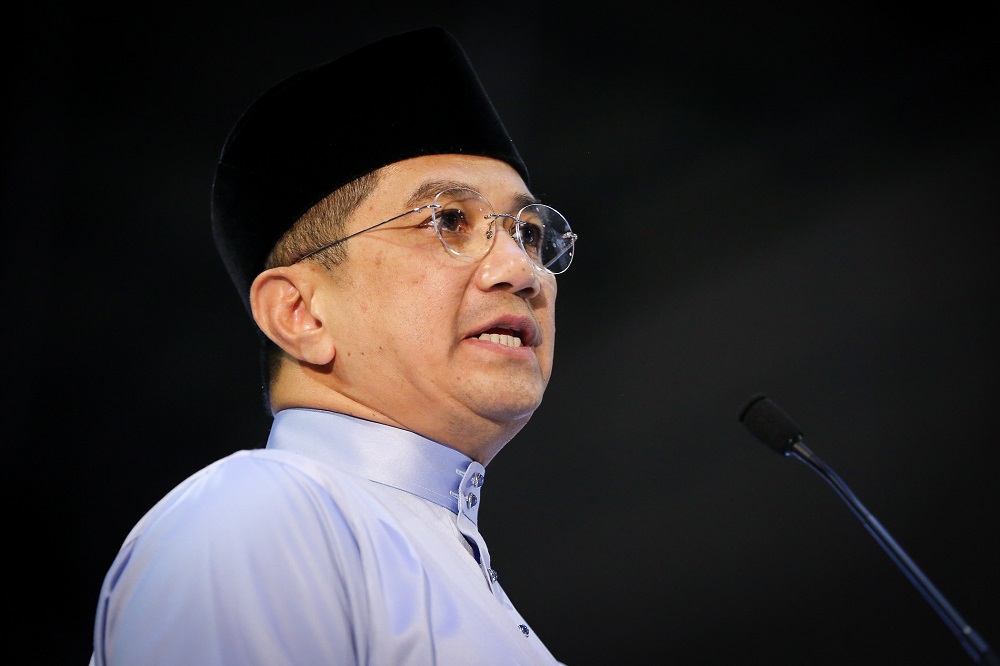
(408, 95)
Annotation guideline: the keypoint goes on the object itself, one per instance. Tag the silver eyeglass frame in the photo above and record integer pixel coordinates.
(515, 233)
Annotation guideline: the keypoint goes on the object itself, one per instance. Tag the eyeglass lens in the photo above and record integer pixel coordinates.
(464, 223)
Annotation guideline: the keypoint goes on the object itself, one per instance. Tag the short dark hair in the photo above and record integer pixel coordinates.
(321, 224)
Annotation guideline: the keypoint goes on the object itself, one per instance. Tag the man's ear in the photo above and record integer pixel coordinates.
(284, 305)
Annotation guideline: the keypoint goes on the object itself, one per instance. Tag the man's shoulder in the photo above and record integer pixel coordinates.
(269, 471)
(254, 491)
(250, 536)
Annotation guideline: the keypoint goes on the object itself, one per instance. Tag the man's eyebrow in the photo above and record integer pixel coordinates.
(522, 199)
(430, 188)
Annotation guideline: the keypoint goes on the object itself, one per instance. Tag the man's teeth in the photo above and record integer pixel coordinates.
(499, 338)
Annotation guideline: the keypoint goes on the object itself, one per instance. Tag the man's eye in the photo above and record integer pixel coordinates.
(453, 221)
(531, 235)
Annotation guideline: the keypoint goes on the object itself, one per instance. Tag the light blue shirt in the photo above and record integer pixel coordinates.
(343, 542)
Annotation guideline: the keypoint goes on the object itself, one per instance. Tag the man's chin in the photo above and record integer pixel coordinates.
(505, 398)
(513, 409)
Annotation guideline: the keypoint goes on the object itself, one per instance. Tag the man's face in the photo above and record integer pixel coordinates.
(408, 317)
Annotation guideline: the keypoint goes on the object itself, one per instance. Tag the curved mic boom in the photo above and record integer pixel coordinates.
(772, 426)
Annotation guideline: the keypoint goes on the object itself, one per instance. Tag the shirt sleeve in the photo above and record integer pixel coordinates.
(248, 562)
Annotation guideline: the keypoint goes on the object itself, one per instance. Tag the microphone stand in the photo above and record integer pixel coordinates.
(977, 648)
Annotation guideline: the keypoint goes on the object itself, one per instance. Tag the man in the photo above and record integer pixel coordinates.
(377, 222)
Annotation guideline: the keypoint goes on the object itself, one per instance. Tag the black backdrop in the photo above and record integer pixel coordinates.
(799, 201)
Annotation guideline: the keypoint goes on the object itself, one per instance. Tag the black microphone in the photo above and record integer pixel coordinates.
(768, 423)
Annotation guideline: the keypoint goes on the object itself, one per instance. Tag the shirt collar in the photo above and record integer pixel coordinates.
(383, 454)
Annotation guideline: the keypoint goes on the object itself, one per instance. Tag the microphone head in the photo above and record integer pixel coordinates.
(768, 423)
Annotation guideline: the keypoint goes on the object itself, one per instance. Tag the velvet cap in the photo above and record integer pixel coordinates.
(407, 95)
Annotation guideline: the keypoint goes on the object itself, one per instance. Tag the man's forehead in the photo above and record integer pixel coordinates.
(429, 188)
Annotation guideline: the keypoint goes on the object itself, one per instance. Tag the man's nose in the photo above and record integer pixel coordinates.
(506, 265)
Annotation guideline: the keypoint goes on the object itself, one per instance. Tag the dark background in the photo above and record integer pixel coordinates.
(799, 201)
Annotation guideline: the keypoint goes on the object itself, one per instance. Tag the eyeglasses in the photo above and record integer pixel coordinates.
(465, 223)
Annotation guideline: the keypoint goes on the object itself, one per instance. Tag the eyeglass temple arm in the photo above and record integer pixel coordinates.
(572, 242)
(350, 236)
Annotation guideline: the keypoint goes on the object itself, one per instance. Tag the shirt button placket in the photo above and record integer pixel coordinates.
(468, 517)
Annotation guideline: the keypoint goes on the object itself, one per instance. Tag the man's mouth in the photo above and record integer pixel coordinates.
(502, 336)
